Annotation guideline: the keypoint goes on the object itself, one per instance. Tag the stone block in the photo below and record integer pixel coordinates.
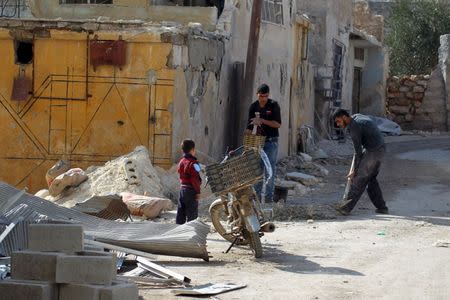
(418, 89)
(402, 101)
(28, 290)
(290, 185)
(31, 265)
(409, 118)
(409, 83)
(423, 83)
(117, 291)
(419, 96)
(404, 89)
(417, 104)
(302, 178)
(82, 269)
(399, 110)
(410, 95)
(55, 237)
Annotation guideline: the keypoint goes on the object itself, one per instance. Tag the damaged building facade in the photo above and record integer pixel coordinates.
(93, 88)
(104, 78)
(349, 59)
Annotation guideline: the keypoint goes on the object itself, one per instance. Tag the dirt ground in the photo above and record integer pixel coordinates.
(362, 256)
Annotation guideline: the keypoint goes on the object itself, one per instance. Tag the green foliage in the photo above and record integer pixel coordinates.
(415, 27)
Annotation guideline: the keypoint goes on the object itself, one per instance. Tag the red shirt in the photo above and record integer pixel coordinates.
(189, 176)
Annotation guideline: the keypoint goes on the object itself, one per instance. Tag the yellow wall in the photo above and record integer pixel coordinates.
(75, 112)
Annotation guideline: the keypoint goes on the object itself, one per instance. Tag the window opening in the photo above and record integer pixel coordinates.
(24, 52)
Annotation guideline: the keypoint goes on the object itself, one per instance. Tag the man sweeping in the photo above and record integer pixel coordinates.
(369, 151)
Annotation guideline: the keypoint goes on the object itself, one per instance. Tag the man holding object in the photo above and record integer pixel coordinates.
(369, 151)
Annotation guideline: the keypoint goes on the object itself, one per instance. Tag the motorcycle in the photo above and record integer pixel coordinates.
(237, 215)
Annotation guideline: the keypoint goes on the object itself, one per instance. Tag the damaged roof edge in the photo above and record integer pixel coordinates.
(52, 10)
(367, 39)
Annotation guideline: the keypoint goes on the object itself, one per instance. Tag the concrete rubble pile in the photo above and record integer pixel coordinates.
(56, 265)
(123, 177)
(292, 174)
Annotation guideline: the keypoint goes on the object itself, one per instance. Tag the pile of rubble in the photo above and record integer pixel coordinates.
(56, 265)
(299, 173)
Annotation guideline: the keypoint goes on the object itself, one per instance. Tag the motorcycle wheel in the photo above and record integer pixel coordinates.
(255, 243)
(219, 219)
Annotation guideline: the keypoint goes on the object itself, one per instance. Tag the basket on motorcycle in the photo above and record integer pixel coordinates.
(236, 172)
(254, 141)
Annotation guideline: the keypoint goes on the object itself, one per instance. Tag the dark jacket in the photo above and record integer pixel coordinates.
(189, 177)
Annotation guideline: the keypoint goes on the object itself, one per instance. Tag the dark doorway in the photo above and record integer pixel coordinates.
(24, 52)
(356, 95)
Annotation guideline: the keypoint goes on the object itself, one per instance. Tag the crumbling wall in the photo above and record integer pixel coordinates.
(444, 65)
(365, 21)
(198, 110)
(417, 102)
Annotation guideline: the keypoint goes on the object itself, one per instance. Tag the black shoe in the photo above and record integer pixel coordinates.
(383, 210)
(342, 210)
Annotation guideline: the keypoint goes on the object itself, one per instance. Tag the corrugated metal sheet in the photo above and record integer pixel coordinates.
(188, 240)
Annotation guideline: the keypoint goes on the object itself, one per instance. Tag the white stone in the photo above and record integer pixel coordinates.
(305, 157)
(302, 178)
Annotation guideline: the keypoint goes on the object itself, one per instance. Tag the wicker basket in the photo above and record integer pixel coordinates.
(254, 141)
(236, 172)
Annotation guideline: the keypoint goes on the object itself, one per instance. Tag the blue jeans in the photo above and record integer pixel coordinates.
(271, 149)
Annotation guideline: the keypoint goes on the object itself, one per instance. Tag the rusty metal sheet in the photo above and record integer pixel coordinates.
(21, 88)
(108, 53)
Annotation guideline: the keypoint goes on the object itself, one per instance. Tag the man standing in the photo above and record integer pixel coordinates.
(268, 122)
(369, 150)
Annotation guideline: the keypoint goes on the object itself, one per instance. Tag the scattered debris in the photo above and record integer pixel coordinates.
(310, 221)
(148, 207)
(187, 240)
(381, 233)
(442, 243)
(109, 207)
(302, 178)
(67, 272)
(71, 178)
(133, 173)
(209, 289)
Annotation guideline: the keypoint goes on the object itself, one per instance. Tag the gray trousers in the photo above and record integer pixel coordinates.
(366, 176)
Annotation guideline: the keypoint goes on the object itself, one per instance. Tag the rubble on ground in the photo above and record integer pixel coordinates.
(56, 266)
(133, 173)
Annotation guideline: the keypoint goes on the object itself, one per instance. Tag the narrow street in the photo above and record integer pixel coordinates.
(363, 256)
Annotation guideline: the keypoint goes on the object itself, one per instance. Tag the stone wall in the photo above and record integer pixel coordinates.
(417, 102)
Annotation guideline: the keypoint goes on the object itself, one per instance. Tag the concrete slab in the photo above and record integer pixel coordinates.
(119, 290)
(85, 269)
(26, 290)
(31, 265)
(302, 178)
(55, 237)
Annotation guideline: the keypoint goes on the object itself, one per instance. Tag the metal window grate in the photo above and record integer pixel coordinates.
(272, 11)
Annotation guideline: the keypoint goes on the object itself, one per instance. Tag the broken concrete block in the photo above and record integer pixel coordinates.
(117, 291)
(85, 269)
(300, 189)
(286, 184)
(26, 290)
(302, 178)
(305, 157)
(55, 237)
(31, 265)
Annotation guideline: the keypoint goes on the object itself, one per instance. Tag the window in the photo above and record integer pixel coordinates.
(24, 52)
(272, 11)
(85, 2)
(359, 53)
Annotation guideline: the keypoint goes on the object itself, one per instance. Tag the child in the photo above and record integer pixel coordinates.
(190, 181)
